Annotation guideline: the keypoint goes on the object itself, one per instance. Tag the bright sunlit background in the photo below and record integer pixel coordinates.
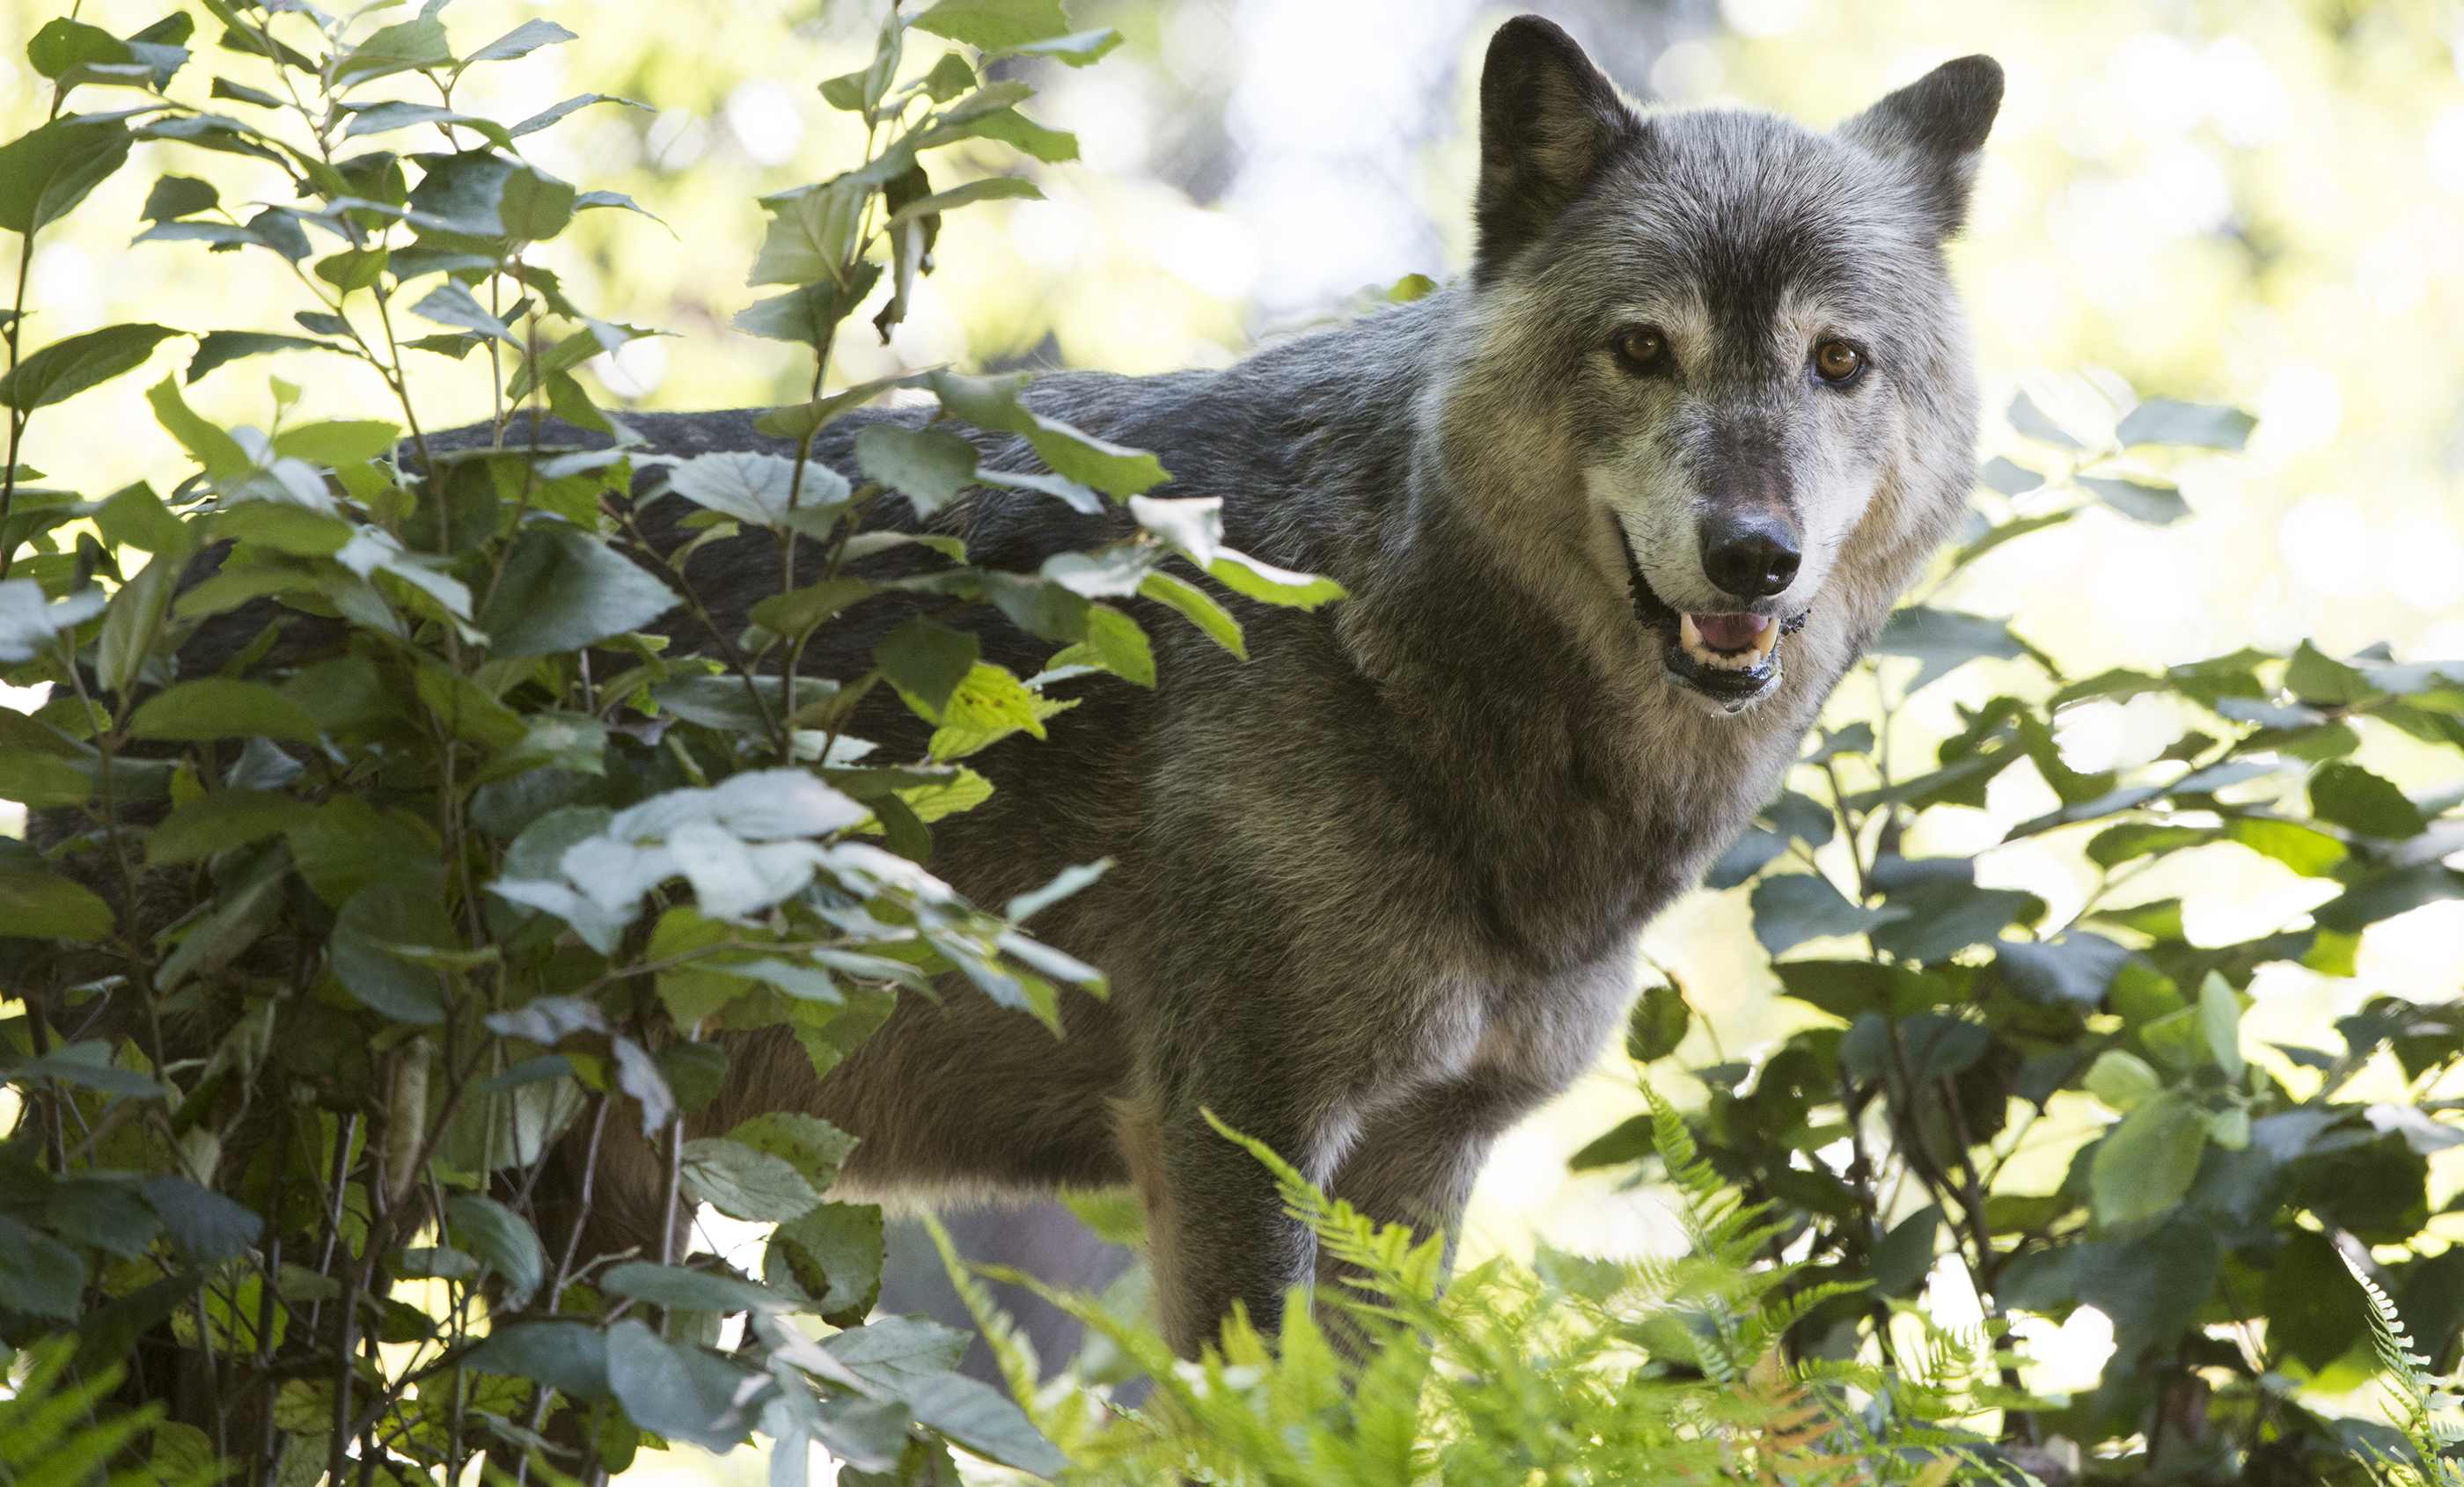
(2258, 202)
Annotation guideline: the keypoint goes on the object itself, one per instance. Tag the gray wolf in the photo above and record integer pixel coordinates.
(1616, 512)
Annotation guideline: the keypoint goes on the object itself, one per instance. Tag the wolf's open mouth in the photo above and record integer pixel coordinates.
(1731, 659)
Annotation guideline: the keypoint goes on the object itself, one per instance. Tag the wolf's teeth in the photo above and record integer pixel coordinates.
(1746, 658)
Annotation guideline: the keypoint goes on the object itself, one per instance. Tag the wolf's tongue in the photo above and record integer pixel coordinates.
(1729, 632)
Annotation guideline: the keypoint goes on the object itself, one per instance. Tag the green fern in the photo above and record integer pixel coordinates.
(58, 1431)
(2415, 1394)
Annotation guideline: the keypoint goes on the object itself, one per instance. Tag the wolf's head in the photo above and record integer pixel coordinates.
(1735, 341)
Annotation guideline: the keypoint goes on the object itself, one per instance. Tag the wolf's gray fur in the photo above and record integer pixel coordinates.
(1378, 888)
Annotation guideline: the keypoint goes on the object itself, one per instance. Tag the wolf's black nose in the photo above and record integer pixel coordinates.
(1751, 555)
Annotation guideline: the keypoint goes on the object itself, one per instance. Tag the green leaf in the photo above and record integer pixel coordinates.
(1935, 921)
(2198, 424)
(133, 625)
(209, 445)
(391, 114)
(1116, 642)
(64, 43)
(570, 1358)
(2387, 894)
(399, 48)
(1081, 48)
(503, 1238)
(676, 1390)
(220, 819)
(799, 613)
(994, 25)
(2156, 505)
(1944, 640)
(812, 232)
(831, 1254)
(178, 196)
(535, 207)
(1267, 583)
(379, 923)
(563, 589)
(550, 115)
(65, 368)
(338, 443)
(691, 1290)
(1197, 606)
(2145, 1166)
(2311, 853)
(2122, 1081)
(2353, 797)
(949, 78)
(984, 1421)
(757, 488)
(1794, 908)
(208, 1227)
(520, 41)
(40, 1276)
(451, 304)
(989, 189)
(42, 780)
(928, 466)
(813, 1147)
(926, 662)
(891, 1354)
(809, 313)
(2076, 969)
(39, 906)
(352, 270)
(2316, 1311)
(135, 516)
(744, 1183)
(2220, 1019)
(1657, 1023)
(216, 708)
(1904, 1257)
(45, 172)
(216, 348)
(2032, 422)
(1630, 1140)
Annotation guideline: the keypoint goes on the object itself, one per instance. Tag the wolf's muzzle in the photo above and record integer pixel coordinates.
(1731, 659)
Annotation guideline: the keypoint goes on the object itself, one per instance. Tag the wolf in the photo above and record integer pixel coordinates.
(1616, 511)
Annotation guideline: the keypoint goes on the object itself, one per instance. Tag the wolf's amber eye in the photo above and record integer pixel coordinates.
(1642, 348)
(1838, 362)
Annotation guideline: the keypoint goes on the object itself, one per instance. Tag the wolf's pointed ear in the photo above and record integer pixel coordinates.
(1548, 122)
(1932, 131)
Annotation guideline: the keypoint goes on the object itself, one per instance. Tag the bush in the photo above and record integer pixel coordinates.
(392, 846)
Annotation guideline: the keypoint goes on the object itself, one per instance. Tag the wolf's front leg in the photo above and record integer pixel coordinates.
(1414, 1163)
(1216, 1227)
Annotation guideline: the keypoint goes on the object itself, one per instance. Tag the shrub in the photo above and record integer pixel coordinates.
(389, 841)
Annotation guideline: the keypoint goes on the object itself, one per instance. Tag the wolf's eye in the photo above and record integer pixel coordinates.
(1642, 348)
(1838, 362)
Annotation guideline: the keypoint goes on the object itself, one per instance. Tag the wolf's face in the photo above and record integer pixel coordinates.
(1743, 328)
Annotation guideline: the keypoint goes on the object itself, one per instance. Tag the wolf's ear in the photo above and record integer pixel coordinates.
(1931, 131)
(1548, 122)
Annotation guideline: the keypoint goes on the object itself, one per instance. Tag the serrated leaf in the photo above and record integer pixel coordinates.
(563, 589)
(1944, 640)
(218, 347)
(745, 1184)
(2145, 1166)
(926, 662)
(928, 466)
